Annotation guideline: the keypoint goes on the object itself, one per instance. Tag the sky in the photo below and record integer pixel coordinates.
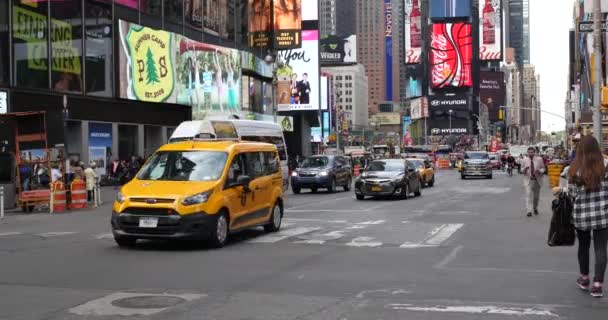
(549, 54)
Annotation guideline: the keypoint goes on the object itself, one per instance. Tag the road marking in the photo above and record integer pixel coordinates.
(405, 221)
(371, 222)
(284, 234)
(324, 210)
(104, 236)
(449, 258)
(511, 311)
(5, 234)
(363, 242)
(355, 227)
(445, 233)
(412, 245)
(55, 234)
(314, 220)
(321, 238)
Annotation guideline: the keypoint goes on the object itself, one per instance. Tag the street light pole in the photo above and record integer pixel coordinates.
(451, 121)
(597, 71)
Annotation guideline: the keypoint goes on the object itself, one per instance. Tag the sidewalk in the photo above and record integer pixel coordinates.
(108, 194)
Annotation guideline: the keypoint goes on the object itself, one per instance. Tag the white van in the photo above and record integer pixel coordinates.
(246, 130)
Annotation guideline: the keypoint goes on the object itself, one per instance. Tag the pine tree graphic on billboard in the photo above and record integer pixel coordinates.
(152, 76)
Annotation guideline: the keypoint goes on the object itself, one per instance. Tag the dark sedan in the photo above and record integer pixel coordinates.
(317, 172)
(390, 177)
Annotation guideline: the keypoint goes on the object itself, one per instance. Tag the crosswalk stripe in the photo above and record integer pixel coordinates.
(445, 233)
(364, 242)
(104, 236)
(10, 234)
(55, 234)
(284, 234)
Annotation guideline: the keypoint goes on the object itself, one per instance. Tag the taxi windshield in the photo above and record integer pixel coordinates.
(184, 166)
(417, 163)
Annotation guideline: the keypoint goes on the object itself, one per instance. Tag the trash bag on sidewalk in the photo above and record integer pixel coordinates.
(561, 231)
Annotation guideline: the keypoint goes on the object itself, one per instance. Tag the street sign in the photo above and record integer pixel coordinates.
(587, 26)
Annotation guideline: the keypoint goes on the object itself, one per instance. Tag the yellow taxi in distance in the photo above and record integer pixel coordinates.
(201, 190)
(425, 168)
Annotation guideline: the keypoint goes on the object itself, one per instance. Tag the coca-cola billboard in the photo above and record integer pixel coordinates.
(490, 30)
(412, 23)
(451, 55)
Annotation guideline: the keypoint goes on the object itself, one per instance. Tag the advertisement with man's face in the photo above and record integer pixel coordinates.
(298, 78)
(451, 55)
(338, 50)
(490, 30)
(216, 18)
(260, 23)
(287, 15)
(492, 92)
(193, 13)
(159, 66)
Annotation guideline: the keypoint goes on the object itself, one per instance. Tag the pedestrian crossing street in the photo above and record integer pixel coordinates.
(357, 234)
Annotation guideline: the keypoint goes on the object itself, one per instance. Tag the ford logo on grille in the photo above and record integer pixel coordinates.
(150, 201)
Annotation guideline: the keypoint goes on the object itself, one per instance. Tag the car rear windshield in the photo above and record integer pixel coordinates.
(184, 166)
(386, 166)
(476, 156)
(315, 162)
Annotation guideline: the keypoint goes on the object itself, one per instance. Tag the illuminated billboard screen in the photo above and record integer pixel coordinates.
(450, 55)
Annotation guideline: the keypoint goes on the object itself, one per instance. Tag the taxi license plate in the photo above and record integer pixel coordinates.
(376, 189)
(148, 222)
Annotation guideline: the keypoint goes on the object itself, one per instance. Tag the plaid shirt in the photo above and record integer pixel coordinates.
(590, 207)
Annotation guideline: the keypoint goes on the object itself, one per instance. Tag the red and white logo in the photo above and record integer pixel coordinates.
(451, 55)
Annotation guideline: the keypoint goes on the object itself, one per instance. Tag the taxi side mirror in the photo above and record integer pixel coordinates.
(244, 181)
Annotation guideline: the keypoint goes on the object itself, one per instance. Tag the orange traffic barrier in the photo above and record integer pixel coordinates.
(443, 164)
(59, 199)
(79, 194)
(356, 170)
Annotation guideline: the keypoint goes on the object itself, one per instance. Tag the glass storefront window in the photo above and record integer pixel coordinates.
(174, 11)
(98, 60)
(194, 13)
(66, 46)
(152, 7)
(4, 58)
(30, 44)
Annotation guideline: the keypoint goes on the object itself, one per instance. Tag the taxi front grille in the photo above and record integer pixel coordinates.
(152, 200)
(149, 211)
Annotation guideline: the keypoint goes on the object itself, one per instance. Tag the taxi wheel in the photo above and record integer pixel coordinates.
(296, 190)
(432, 182)
(219, 234)
(125, 242)
(275, 219)
(422, 183)
(360, 197)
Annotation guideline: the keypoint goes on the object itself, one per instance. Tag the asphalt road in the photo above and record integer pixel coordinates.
(464, 250)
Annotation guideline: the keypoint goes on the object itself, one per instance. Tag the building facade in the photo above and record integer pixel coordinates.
(337, 17)
(513, 114)
(518, 26)
(351, 89)
(80, 58)
(530, 118)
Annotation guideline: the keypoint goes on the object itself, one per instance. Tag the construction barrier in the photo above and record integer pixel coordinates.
(554, 170)
(79, 194)
(356, 170)
(59, 197)
(443, 164)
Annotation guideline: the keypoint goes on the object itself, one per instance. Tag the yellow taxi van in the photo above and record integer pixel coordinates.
(203, 189)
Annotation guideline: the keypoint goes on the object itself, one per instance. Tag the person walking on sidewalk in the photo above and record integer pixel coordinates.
(588, 185)
(532, 167)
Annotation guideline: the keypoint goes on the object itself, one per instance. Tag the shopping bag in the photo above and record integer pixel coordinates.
(561, 230)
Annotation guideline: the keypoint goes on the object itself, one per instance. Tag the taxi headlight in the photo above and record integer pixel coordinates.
(120, 198)
(197, 198)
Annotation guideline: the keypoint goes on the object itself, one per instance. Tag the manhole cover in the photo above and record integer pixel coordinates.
(148, 302)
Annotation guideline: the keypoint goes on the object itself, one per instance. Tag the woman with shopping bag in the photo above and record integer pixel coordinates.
(588, 185)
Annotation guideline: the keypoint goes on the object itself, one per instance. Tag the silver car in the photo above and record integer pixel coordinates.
(476, 163)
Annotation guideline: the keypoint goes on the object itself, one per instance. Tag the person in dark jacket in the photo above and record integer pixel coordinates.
(588, 185)
(304, 89)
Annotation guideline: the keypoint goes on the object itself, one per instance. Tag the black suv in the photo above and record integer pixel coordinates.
(322, 171)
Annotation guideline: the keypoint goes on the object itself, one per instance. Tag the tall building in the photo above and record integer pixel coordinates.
(513, 97)
(337, 17)
(373, 28)
(351, 84)
(518, 29)
(531, 118)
